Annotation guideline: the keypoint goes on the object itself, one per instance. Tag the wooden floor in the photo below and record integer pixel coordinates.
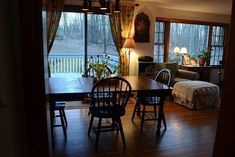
(189, 134)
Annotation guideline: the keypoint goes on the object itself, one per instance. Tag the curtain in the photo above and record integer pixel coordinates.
(121, 23)
(54, 10)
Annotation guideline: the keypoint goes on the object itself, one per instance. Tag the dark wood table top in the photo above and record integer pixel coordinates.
(84, 85)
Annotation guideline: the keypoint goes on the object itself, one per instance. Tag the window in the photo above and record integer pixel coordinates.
(159, 41)
(72, 46)
(69, 35)
(217, 45)
(100, 39)
(192, 35)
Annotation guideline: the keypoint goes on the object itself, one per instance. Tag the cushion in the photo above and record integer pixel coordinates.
(196, 94)
(173, 67)
(159, 66)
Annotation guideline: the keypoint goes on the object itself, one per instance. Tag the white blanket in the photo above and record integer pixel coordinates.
(186, 89)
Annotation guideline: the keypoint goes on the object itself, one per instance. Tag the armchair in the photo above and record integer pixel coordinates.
(178, 74)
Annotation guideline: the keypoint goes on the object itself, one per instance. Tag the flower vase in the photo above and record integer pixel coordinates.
(99, 76)
(202, 61)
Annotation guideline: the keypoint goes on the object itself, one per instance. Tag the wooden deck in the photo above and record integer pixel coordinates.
(189, 134)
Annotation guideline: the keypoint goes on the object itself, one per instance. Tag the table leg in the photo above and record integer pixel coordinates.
(160, 115)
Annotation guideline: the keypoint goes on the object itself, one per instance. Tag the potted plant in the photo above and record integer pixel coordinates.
(202, 55)
(193, 59)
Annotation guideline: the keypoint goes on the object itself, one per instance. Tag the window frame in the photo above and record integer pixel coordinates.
(78, 9)
(168, 22)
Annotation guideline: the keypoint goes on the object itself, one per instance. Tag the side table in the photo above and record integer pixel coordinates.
(204, 71)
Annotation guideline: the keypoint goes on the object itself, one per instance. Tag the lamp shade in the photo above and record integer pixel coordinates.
(129, 43)
(176, 50)
(183, 50)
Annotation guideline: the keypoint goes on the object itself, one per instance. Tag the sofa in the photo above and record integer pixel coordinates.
(178, 74)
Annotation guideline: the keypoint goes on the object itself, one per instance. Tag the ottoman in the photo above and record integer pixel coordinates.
(196, 95)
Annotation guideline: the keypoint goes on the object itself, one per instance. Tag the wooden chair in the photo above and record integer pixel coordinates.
(163, 76)
(59, 106)
(91, 73)
(108, 101)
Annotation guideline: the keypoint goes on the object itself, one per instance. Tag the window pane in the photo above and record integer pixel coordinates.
(69, 36)
(159, 41)
(66, 55)
(159, 53)
(100, 40)
(192, 36)
(217, 45)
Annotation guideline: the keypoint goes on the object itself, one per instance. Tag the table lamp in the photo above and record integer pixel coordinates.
(176, 50)
(183, 51)
(129, 44)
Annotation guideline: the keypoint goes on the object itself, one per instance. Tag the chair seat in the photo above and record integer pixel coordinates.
(107, 111)
(60, 106)
(149, 100)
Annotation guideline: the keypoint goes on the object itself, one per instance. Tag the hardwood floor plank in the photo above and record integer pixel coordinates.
(189, 134)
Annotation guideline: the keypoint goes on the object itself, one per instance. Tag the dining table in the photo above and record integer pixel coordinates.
(73, 89)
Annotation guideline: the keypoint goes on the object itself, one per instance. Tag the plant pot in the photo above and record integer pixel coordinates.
(202, 61)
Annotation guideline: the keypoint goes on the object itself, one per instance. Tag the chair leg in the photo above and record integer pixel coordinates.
(155, 111)
(138, 109)
(164, 121)
(89, 129)
(98, 134)
(122, 132)
(63, 124)
(142, 119)
(64, 116)
(133, 114)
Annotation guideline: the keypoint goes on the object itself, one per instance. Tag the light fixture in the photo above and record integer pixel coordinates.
(85, 5)
(103, 4)
(177, 54)
(90, 10)
(183, 51)
(129, 44)
(89, 5)
(117, 7)
(176, 50)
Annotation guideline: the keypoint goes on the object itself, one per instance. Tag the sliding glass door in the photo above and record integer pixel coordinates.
(79, 38)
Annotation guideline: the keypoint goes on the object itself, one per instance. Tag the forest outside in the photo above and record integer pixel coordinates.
(70, 35)
(67, 52)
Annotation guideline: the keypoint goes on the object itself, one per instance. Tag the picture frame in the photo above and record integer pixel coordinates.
(142, 24)
(186, 60)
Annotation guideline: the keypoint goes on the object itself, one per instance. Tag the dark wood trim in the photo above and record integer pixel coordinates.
(33, 78)
(191, 21)
(224, 141)
(85, 40)
(166, 41)
(209, 45)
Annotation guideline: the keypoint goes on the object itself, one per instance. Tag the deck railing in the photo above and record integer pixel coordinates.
(74, 63)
